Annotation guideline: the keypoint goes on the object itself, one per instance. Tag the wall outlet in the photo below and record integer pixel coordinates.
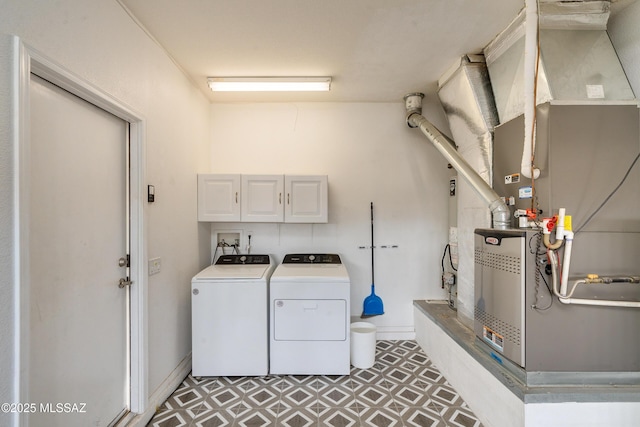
(154, 266)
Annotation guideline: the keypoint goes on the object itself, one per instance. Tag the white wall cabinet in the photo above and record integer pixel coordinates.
(306, 198)
(263, 198)
(219, 198)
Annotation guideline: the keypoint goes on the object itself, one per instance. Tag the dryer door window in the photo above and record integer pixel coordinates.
(310, 320)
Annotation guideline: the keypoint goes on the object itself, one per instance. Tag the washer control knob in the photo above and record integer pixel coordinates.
(243, 258)
(312, 258)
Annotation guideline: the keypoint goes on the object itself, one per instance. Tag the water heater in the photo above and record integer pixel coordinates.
(500, 290)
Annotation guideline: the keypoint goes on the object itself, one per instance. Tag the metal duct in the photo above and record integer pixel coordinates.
(574, 15)
(466, 96)
(499, 210)
(577, 62)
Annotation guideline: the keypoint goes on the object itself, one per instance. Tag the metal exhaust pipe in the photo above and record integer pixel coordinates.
(413, 104)
(499, 211)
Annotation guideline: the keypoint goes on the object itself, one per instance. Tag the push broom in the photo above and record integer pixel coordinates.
(372, 305)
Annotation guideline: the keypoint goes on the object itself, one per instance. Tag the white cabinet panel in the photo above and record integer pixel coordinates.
(218, 197)
(262, 198)
(306, 198)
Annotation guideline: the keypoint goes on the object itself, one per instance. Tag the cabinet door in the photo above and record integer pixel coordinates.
(218, 197)
(262, 198)
(306, 198)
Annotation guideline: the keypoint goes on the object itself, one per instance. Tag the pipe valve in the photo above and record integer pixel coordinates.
(548, 224)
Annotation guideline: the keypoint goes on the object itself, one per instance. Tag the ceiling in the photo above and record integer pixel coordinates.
(375, 50)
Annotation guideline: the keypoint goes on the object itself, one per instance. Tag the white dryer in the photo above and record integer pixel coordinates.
(309, 301)
(230, 315)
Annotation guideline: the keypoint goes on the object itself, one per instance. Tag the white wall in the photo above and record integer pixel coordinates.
(369, 155)
(99, 42)
(472, 213)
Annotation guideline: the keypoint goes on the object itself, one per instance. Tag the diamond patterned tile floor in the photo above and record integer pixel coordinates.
(403, 388)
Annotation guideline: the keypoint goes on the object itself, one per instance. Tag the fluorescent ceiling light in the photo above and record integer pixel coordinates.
(269, 84)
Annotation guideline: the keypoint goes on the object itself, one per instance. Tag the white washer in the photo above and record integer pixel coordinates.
(229, 317)
(309, 322)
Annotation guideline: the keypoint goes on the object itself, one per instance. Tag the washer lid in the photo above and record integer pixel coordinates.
(234, 269)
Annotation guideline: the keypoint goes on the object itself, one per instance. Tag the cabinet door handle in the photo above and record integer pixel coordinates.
(288, 198)
(236, 197)
(280, 198)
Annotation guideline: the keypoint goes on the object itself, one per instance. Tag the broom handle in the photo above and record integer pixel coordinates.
(372, 267)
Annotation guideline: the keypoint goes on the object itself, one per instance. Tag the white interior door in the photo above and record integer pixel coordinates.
(78, 346)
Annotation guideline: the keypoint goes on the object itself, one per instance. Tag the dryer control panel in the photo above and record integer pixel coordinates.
(312, 259)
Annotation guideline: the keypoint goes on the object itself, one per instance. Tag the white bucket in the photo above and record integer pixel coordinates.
(363, 344)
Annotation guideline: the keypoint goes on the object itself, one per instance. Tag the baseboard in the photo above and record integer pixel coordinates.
(389, 332)
(395, 333)
(161, 394)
